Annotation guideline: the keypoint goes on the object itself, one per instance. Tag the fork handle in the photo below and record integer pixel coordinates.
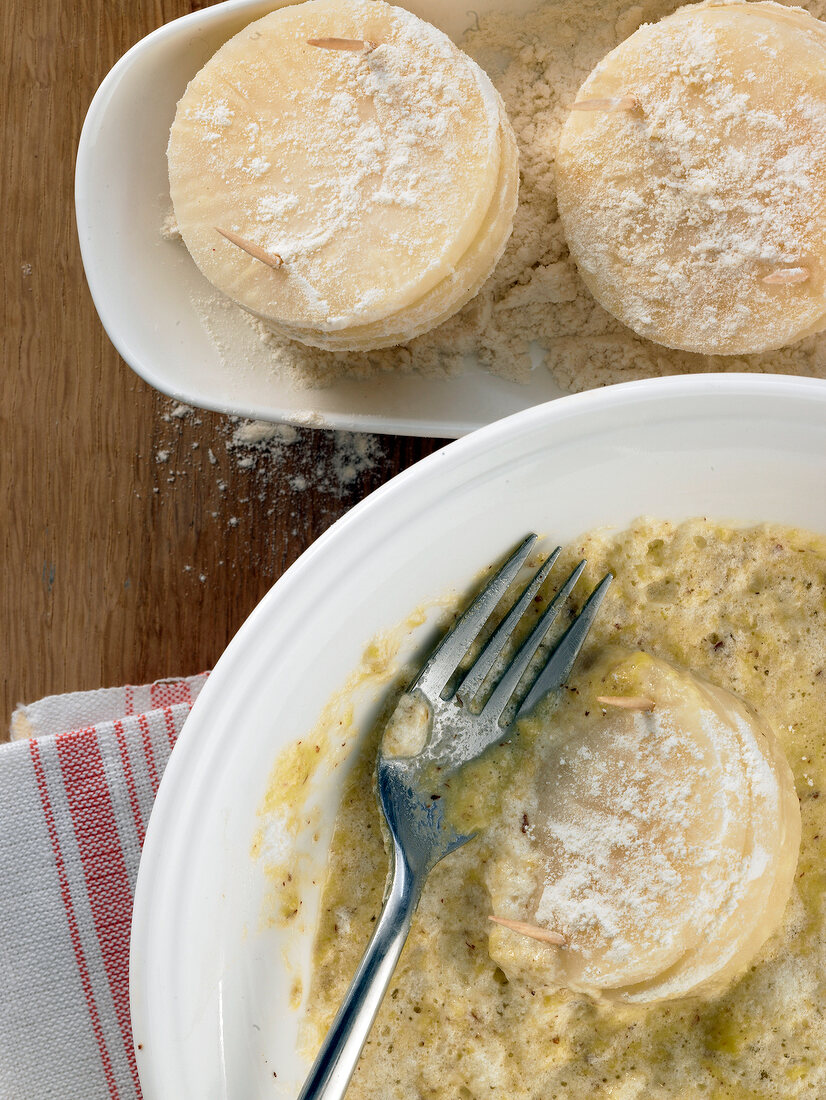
(339, 1054)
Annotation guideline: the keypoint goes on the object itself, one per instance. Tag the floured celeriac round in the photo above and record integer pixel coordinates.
(663, 842)
(691, 179)
(365, 161)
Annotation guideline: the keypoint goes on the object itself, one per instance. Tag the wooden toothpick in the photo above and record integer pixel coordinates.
(354, 45)
(627, 702)
(618, 103)
(787, 276)
(532, 930)
(271, 259)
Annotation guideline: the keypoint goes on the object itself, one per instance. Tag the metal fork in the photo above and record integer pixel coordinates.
(420, 835)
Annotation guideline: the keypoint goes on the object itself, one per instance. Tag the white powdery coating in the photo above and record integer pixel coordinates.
(214, 113)
(254, 166)
(622, 831)
(275, 205)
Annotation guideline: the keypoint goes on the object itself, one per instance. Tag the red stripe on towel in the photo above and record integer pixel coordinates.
(104, 868)
(169, 692)
(170, 727)
(74, 932)
(151, 767)
(129, 776)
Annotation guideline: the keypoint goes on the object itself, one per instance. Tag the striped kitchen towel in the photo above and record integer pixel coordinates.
(77, 784)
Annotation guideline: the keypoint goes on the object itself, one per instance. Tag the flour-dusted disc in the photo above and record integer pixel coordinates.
(697, 215)
(368, 172)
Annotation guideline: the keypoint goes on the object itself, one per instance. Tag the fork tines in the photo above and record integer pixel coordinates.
(443, 663)
(558, 667)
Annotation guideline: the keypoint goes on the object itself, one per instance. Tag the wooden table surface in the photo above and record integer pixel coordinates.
(126, 553)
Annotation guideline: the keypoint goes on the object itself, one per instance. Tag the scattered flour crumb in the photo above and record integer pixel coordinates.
(169, 227)
(271, 464)
(250, 432)
(259, 443)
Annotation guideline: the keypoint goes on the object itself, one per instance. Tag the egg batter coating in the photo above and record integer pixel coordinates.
(465, 1017)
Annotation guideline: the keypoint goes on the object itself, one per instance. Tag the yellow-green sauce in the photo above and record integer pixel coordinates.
(745, 608)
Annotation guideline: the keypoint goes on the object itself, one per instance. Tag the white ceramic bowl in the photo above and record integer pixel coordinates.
(210, 990)
(144, 287)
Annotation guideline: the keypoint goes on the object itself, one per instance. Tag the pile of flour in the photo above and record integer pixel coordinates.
(538, 62)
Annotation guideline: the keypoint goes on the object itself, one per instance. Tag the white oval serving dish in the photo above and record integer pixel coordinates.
(147, 289)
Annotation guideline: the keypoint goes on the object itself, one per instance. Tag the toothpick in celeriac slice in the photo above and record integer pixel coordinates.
(354, 45)
(271, 259)
(787, 276)
(627, 702)
(617, 103)
(545, 935)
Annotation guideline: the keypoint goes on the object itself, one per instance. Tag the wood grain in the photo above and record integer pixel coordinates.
(103, 546)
